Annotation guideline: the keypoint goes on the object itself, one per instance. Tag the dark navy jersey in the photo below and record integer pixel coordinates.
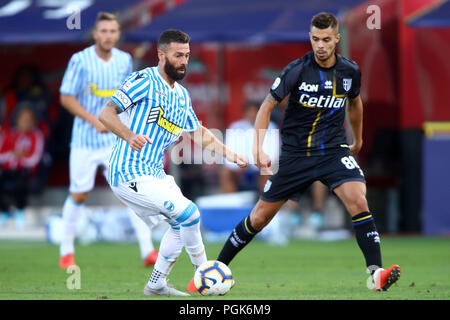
(314, 119)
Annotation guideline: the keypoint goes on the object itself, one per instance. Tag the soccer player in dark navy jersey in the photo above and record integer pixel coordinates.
(322, 86)
(313, 124)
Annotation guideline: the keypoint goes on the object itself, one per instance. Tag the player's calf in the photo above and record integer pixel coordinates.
(241, 235)
(367, 237)
(262, 214)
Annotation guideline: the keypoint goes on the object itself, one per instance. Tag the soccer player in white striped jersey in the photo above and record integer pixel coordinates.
(158, 110)
(91, 78)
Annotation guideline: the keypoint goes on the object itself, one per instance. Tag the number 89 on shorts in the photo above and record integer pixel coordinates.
(350, 163)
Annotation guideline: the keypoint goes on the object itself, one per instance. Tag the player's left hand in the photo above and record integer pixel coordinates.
(355, 148)
(241, 160)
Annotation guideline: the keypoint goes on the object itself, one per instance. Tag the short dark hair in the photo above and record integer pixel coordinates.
(172, 35)
(105, 16)
(324, 20)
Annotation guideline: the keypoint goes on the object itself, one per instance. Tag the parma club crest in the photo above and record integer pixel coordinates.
(347, 83)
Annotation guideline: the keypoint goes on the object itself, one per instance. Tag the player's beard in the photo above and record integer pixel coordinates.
(325, 58)
(172, 72)
(106, 46)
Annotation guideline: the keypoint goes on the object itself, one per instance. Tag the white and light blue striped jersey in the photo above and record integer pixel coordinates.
(154, 109)
(92, 81)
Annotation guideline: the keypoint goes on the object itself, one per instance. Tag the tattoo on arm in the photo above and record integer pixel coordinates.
(271, 100)
(113, 105)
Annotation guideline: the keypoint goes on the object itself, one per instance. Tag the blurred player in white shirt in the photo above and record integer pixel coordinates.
(239, 137)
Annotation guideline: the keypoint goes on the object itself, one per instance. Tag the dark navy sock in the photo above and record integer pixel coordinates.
(241, 235)
(368, 239)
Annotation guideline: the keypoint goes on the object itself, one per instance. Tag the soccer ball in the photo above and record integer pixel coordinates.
(213, 278)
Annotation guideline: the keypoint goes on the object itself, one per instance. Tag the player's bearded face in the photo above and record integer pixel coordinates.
(176, 60)
(174, 72)
(323, 42)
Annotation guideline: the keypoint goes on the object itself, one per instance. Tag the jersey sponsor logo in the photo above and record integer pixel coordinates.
(308, 87)
(322, 101)
(276, 83)
(347, 83)
(123, 98)
(157, 115)
(102, 93)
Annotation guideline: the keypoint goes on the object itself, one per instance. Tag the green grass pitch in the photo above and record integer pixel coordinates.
(303, 270)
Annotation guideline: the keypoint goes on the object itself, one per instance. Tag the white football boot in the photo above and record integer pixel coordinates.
(166, 290)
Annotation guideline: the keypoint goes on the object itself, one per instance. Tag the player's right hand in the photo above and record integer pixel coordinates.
(138, 141)
(262, 161)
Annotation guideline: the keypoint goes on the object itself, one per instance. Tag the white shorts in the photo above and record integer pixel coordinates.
(155, 199)
(83, 166)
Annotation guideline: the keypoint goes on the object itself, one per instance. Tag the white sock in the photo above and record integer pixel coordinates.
(157, 279)
(71, 214)
(169, 250)
(143, 234)
(192, 239)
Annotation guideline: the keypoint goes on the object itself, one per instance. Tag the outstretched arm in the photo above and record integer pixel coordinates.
(206, 139)
(109, 118)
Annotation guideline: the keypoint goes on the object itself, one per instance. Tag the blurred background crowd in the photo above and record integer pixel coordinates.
(238, 48)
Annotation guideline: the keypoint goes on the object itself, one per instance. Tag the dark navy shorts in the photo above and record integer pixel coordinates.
(296, 174)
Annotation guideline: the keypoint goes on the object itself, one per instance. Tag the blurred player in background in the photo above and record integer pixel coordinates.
(91, 78)
(239, 137)
(158, 109)
(314, 145)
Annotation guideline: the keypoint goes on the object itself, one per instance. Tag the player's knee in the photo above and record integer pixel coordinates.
(79, 198)
(190, 216)
(171, 256)
(359, 204)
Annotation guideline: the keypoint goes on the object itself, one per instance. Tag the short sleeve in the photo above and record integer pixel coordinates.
(71, 83)
(286, 81)
(192, 122)
(132, 90)
(356, 84)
